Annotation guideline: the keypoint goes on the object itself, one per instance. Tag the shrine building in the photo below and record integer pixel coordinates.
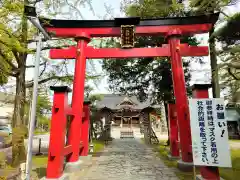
(124, 111)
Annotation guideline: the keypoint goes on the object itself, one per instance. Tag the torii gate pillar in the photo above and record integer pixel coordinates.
(183, 117)
(75, 131)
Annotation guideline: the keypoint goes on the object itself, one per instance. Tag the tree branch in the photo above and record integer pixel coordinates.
(75, 8)
(35, 2)
(30, 84)
(60, 78)
(16, 56)
(45, 40)
(221, 11)
(234, 65)
(50, 47)
(32, 66)
(44, 68)
(233, 75)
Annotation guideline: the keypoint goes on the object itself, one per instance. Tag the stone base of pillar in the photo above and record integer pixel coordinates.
(185, 166)
(199, 177)
(73, 166)
(63, 177)
(173, 158)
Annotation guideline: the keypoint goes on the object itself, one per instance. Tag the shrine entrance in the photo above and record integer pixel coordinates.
(126, 121)
(126, 28)
(127, 114)
(123, 114)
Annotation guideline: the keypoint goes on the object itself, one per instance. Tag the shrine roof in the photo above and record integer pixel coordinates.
(117, 22)
(113, 101)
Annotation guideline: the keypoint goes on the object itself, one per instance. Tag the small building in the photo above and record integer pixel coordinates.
(125, 111)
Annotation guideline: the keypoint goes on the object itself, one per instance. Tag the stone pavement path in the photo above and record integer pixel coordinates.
(127, 160)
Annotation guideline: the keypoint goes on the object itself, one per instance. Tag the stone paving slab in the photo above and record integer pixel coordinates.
(126, 160)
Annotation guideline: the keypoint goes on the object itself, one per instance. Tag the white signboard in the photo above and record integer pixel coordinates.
(209, 133)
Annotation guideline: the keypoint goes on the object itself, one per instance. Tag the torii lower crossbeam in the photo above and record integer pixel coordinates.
(92, 53)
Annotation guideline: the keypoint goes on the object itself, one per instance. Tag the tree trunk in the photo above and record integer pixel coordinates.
(166, 115)
(19, 102)
(214, 68)
(19, 128)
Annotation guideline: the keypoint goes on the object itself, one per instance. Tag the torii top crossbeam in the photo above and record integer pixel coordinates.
(111, 28)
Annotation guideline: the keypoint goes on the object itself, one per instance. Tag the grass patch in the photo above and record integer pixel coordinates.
(5, 169)
(40, 166)
(39, 161)
(235, 140)
(39, 132)
(163, 151)
(39, 172)
(4, 173)
(234, 172)
(98, 146)
(226, 173)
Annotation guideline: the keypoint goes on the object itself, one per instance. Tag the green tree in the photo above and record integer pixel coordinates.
(44, 105)
(228, 35)
(43, 123)
(206, 7)
(43, 109)
(16, 34)
(147, 77)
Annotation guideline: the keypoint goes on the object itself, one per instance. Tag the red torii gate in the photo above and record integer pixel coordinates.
(171, 28)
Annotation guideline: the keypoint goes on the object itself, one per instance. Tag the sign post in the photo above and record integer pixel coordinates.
(209, 133)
